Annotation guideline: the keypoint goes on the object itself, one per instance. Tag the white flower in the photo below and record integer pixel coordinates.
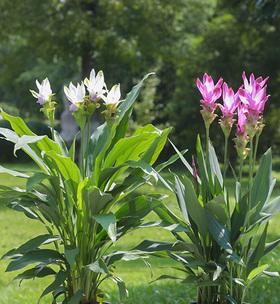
(75, 95)
(95, 85)
(113, 96)
(45, 91)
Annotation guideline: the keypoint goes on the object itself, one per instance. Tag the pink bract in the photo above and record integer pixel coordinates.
(210, 92)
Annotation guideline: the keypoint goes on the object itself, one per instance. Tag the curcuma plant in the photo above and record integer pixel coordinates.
(84, 207)
(221, 229)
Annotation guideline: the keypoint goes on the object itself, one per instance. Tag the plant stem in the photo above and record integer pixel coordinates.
(251, 170)
(256, 149)
(225, 157)
(88, 140)
(82, 151)
(241, 170)
(207, 138)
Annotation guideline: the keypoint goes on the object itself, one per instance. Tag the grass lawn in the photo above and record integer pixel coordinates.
(15, 229)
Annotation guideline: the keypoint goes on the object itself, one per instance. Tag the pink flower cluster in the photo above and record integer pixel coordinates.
(249, 103)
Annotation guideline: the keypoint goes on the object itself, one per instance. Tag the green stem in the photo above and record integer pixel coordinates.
(82, 151)
(241, 170)
(207, 138)
(251, 170)
(225, 157)
(256, 149)
(87, 146)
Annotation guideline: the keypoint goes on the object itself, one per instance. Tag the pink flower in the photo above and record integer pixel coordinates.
(253, 95)
(209, 91)
(242, 120)
(230, 101)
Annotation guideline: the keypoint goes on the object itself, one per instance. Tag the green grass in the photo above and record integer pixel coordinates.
(16, 229)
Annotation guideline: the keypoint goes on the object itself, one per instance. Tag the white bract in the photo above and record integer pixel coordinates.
(45, 91)
(113, 96)
(95, 85)
(75, 94)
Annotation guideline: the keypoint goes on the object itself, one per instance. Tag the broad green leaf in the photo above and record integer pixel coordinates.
(256, 272)
(219, 232)
(121, 286)
(130, 148)
(20, 127)
(36, 272)
(67, 168)
(109, 223)
(217, 207)
(36, 179)
(70, 255)
(60, 277)
(46, 256)
(258, 252)
(32, 244)
(194, 208)
(262, 181)
(98, 266)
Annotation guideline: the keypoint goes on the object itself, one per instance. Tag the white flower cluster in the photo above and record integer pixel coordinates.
(95, 86)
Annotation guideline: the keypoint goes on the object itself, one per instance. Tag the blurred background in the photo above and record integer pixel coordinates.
(179, 40)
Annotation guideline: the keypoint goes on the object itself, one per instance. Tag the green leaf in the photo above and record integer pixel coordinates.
(180, 193)
(153, 246)
(12, 172)
(36, 272)
(19, 126)
(109, 223)
(58, 281)
(32, 245)
(25, 140)
(45, 256)
(67, 168)
(170, 161)
(217, 207)
(214, 166)
(194, 208)
(36, 179)
(98, 266)
(70, 255)
(121, 286)
(261, 185)
(256, 272)
(59, 140)
(270, 246)
(76, 298)
(72, 150)
(130, 148)
(130, 99)
(182, 158)
(258, 252)
(219, 232)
